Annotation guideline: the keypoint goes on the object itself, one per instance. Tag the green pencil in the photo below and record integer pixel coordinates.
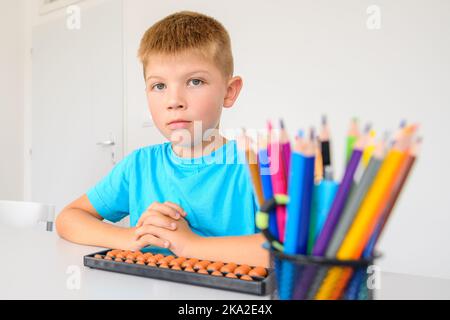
(352, 136)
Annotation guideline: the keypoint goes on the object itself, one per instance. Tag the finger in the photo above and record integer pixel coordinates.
(144, 216)
(160, 221)
(176, 207)
(149, 239)
(148, 229)
(158, 211)
(145, 229)
(167, 210)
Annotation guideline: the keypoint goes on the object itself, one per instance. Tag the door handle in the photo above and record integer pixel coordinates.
(106, 143)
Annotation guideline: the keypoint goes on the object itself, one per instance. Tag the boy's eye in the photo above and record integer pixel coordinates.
(159, 86)
(195, 82)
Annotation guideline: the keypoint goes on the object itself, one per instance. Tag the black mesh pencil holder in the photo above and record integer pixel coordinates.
(300, 277)
(305, 277)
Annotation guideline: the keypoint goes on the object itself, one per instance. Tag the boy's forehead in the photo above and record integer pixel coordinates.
(162, 65)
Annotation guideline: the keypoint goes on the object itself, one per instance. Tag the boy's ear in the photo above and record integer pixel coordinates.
(233, 89)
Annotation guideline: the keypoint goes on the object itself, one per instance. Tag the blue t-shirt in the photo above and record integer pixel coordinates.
(215, 190)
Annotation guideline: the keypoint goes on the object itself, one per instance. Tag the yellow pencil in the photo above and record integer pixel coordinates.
(368, 151)
(329, 283)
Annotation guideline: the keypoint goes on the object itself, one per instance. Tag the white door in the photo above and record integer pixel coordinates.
(77, 103)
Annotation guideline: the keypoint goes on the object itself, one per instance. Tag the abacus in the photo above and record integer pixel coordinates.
(213, 274)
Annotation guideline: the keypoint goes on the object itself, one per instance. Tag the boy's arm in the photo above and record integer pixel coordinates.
(237, 249)
(79, 222)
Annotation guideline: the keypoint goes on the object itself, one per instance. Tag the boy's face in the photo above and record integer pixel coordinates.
(187, 88)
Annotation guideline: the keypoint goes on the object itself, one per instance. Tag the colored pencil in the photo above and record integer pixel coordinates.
(354, 286)
(325, 145)
(318, 165)
(344, 279)
(279, 184)
(398, 187)
(368, 151)
(329, 283)
(285, 147)
(324, 238)
(370, 210)
(361, 167)
(266, 182)
(316, 277)
(323, 197)
(252, 161)
(301, 182)
(352, 136)
(355, 200)
(299, 208)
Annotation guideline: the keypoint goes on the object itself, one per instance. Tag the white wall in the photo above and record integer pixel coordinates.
(300, 59)
(12, 30)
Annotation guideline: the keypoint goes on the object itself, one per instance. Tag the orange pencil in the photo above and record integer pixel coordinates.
(346, 275)
(244, 144)
(406, 169)
(400, 181)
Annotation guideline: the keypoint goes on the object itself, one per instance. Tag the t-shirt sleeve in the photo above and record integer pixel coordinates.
(110, 196)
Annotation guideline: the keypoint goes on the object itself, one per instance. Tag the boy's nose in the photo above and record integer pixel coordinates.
(176, 106)
(176, 102)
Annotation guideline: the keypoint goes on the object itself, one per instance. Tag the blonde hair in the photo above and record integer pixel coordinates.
(187, 30)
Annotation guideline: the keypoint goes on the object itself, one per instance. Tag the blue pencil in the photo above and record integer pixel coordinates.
(295, 192)
(369, 249)
(266, 181)
(301, 183)
(323, 197)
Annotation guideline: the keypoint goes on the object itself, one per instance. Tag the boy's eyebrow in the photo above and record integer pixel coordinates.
(187, 74)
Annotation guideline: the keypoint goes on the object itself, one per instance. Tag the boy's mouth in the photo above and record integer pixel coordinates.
(179, 124)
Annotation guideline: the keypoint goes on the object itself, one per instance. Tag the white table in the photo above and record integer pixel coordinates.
(40, 265)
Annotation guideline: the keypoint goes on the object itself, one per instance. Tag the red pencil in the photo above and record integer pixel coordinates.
(285, 148)
(277, 173)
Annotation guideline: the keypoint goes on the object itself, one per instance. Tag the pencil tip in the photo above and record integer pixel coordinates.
(324, 120)
(403, 123)
(312, 134)
(300, 133)
(269, 125)
(367, 128)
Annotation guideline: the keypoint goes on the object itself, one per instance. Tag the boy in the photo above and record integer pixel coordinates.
(177, 198)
